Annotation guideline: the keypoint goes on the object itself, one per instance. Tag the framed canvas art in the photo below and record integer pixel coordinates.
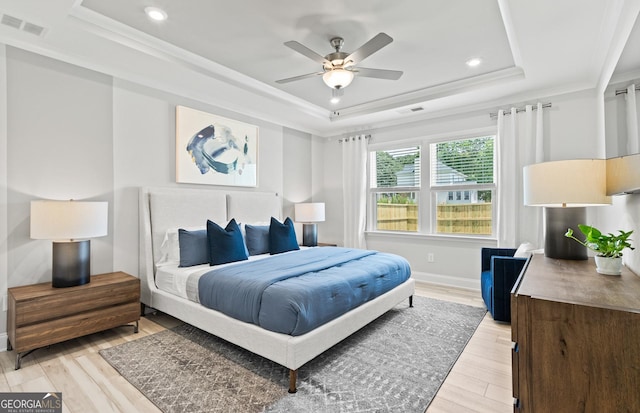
(214, 150)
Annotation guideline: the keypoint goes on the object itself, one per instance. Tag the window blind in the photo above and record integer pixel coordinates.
(398, 168)
(464, 161)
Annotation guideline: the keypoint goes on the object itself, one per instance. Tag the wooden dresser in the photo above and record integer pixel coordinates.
(39, 315)
(576, 338)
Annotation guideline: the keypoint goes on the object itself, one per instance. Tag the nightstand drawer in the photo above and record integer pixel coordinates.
(74, 300)
(62, 329)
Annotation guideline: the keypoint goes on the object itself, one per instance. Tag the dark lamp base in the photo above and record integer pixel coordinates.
(557, 221)
(71, 263)
(309, 235)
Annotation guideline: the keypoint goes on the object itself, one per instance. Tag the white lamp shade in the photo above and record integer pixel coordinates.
(68, 220)
(338, 78)
(623, 174)
(310, 212)
(571, 183)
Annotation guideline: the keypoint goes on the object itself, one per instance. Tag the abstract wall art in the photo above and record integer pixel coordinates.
(214, 150)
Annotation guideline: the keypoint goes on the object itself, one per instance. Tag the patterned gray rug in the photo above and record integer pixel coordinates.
(395, 364)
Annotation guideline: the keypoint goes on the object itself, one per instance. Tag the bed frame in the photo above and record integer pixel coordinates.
(164, 208)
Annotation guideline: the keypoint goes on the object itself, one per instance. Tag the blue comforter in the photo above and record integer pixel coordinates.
(294, 293)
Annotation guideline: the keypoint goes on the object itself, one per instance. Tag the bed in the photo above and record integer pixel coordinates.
(164, 209)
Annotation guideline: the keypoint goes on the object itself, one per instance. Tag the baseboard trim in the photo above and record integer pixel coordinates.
(4, 337)
(446, 280)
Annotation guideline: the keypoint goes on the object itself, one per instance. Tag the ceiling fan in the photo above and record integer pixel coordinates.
(339, 68)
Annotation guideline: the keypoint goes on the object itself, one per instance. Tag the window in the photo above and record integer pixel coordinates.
(458, 199)
(395, 188)
(466, 166)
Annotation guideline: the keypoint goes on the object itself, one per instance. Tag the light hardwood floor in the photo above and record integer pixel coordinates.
(480, 381)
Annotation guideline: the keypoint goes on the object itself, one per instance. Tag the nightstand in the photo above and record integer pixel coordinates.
(40, 315)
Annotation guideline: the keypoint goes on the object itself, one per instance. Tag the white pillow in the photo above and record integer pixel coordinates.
(524, 250)
(170, 247)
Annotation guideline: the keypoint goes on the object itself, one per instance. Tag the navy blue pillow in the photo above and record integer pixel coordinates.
(194, 247)
(257, 238)
(225, 244)
(282, 236)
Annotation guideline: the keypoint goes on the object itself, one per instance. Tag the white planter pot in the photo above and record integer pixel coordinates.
(609, 266)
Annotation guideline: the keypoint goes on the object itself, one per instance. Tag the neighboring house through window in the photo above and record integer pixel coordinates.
(460, 194)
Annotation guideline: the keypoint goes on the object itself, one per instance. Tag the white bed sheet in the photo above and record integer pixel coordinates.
(183, 281)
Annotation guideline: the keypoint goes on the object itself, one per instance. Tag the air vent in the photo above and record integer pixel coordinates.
(19, 24)
(33, 28)
(11, 21)
(407, 111)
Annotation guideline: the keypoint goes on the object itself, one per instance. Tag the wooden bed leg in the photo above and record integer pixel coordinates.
(410, 301)
(143, 308)
(293, 378)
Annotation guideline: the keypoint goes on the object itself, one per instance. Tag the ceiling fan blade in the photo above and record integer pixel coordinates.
(293, 79)
(378, 73)
(378, 41)
(302, 49)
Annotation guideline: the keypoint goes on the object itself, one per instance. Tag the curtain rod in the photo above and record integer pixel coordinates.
(623, 91)
(518, 110)
(354, 138)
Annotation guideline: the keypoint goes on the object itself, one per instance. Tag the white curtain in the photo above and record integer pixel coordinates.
(354, 189)
(633, 141)
(520, 142)
(506, 182)
(532, 221)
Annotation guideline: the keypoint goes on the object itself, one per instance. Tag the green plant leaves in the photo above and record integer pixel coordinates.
(609, 245)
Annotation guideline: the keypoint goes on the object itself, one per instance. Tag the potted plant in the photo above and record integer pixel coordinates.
(608, 247)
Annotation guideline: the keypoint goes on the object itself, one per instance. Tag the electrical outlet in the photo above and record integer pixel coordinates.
(430, 257)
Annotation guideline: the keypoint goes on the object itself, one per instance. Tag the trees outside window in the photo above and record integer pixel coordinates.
(460, 192)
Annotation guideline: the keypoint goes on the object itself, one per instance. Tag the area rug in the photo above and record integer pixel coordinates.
(395, 364)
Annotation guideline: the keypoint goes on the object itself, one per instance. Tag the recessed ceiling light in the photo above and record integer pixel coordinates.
(474, 61)
(156, 14)
(335, 100)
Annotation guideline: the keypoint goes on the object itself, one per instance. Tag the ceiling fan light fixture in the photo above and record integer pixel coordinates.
(337, 78)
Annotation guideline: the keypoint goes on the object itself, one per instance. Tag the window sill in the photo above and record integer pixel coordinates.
(436, 237)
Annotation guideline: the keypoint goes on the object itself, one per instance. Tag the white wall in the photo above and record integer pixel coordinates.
(75, 133)
(297, 179)
(569, 131)
(4, 180)
(144, 155)
(572, 127)
(59, 141)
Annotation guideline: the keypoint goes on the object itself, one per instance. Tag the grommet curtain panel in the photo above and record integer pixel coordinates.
(520, 142)
(354, 189)
(633, 141)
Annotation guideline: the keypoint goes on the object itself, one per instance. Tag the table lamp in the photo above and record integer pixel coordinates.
(69, 224)
(309, 214)
(565, 189)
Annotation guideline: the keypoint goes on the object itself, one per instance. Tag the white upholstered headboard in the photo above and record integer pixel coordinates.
(165, 208)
